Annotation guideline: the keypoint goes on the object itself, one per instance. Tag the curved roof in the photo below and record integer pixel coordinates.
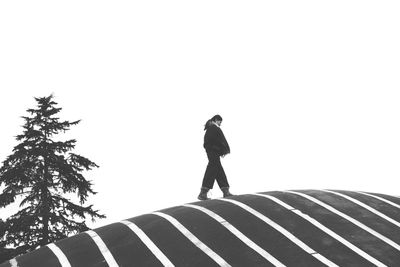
(280, 228)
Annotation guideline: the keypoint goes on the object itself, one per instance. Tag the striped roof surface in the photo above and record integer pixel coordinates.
(281, 228)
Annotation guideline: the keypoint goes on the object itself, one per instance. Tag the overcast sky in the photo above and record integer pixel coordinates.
(308, 90)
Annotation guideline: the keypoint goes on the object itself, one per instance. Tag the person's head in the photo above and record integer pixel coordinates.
(217, 119)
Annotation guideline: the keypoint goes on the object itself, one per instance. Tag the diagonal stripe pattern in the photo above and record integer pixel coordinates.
(350, 219)
(220, 261)
(326, 230)
(238, 234)
(283, 231)
(149, 244)
(365, 206)
(60, 255)
(312, 227)
(381, 199)
(103, 248)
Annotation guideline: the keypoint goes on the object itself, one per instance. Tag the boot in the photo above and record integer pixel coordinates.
(225, 191)
(203, 194)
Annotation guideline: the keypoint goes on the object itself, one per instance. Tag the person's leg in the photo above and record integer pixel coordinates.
(203, 194)
(211, 171)
(226, 192)
(221, 176)
(223, 181)
(209, 176)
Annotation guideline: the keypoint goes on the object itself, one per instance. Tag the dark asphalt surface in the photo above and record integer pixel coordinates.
(128, 249)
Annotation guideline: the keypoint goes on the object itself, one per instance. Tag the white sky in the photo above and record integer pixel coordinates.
(309, 92)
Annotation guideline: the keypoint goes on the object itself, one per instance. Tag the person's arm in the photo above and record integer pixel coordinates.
(225, 149)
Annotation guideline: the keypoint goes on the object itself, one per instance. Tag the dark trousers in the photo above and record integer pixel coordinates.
(214, 172)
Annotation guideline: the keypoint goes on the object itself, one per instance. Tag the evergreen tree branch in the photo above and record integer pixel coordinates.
(38, 172)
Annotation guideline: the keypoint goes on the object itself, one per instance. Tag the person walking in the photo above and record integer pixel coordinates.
(216, 146)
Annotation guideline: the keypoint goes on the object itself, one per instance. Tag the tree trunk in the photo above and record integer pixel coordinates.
(45, 196)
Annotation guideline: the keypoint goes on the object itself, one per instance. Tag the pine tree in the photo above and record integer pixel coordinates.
(41, 173)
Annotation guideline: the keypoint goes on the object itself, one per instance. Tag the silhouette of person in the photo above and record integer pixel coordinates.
(216, 146)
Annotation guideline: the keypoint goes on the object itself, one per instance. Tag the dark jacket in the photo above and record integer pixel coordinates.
(214, 140)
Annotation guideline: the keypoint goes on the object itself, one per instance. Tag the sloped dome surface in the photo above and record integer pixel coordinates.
(281, 228)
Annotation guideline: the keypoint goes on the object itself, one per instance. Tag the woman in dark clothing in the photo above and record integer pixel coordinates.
(216, 146)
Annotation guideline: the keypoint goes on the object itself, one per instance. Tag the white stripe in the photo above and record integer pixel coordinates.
(382, 199)
(326, 230)
(103, 248)
(238, 234)
(354, 221)
(380, 214)
(60, 255)
(14, 263)
(282, 230)
(150, 245)
(220, 261)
